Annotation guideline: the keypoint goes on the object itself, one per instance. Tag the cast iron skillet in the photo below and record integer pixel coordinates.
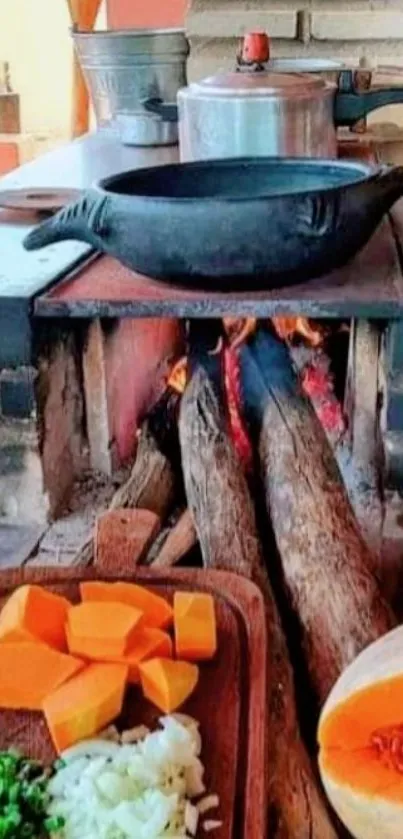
(250, 223)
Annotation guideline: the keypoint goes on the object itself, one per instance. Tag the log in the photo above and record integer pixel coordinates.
(179, 541)
(153, 481)
(326, 566)
(224, 516)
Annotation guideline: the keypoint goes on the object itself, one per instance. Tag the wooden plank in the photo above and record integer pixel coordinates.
(96, 403)
(230, 701)
(124, 373)
(362, 406)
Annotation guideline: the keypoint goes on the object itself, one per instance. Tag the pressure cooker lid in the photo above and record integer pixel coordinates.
(261, 83)
(304, 65)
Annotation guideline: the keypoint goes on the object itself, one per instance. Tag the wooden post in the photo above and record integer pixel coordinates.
(83, 15)
(363, 411)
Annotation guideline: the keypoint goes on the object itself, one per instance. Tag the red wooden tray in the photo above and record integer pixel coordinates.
(229, 702)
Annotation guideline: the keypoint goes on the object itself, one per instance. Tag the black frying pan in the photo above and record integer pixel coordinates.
(252, 223)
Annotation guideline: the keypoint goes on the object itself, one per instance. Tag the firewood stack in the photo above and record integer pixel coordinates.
(248, 473)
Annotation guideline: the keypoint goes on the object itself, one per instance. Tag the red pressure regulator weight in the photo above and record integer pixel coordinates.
(255, 48)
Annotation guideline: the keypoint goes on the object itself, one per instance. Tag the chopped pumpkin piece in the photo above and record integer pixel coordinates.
(166, 683)
(157, 611)
(149, 643)
(33, 613)
(29, 671)
(102, 631)
(195, 625)
(361, 741)
(85, 704)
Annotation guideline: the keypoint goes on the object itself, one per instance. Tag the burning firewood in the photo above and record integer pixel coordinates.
(224, 516)
(152, 482)
(325, 563)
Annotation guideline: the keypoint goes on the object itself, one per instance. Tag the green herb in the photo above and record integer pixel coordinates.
(24, 799)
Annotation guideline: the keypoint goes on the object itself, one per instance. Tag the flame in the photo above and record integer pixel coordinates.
(239, 329)
(287, 328)
(178, 375)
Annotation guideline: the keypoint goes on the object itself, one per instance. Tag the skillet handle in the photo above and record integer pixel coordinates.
(85, 220)
(352, 105)
(167, 111)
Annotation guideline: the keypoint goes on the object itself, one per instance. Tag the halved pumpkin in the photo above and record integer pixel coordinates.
(361, 742)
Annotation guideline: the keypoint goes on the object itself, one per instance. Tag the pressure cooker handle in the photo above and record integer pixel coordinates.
(351, 105)
(167, 111)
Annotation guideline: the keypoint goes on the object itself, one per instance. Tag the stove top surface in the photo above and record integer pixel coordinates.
(370, 286)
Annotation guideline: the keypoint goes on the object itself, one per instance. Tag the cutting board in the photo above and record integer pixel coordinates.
(229, 701)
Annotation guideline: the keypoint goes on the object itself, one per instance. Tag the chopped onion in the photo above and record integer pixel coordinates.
(186, 720)
(109, 733)
(210, 824)
(191, 818)
(209, 802)
(90, 748)
(132, 790)
(132, 735)
(194, 780)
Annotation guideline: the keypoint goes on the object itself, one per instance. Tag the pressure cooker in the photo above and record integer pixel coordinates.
(258, 110)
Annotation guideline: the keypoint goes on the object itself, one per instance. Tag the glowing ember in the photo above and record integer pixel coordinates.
(238, 431)
(331, 416)
(317, 383)
(178, 375)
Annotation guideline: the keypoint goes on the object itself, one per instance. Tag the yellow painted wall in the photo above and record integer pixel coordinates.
(35, 40)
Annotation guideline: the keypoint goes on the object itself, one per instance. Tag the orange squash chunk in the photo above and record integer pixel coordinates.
(85, 704)
(157, 612)
(352, 722)
(29, 671)
(32, 613)
(102, 631)
(149, 643)
(166, 683)
(195, 626)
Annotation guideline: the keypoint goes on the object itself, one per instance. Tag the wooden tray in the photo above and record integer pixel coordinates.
(229, 702)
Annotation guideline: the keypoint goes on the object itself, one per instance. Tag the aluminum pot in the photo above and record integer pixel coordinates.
(259, 113)
(123, 68)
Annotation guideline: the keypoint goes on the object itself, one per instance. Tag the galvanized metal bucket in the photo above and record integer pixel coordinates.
(124, 68)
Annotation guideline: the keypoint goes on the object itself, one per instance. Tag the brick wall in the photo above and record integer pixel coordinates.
(348, 31)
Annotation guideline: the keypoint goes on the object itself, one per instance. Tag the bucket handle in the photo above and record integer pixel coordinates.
(167, 111)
